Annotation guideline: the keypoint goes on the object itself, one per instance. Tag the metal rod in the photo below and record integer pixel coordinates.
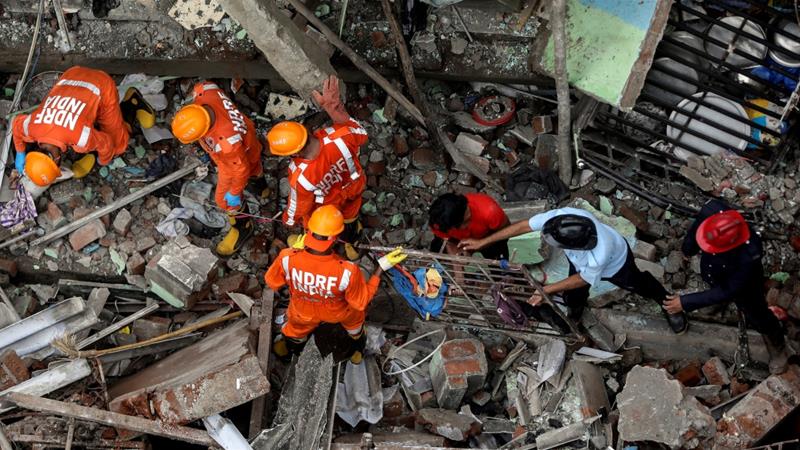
(119, 203)
(62, 23)
(716, 74)
(463, 24)
(116, 326)
(34, 232)
(70, 428)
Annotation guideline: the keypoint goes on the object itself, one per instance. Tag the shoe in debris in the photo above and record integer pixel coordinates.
(241, 230)
(83, 166)
(678, 322)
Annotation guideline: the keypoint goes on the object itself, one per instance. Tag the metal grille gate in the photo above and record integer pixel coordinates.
(705, 62)
(471, 303)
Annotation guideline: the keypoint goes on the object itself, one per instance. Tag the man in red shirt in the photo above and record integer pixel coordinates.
(454, 217)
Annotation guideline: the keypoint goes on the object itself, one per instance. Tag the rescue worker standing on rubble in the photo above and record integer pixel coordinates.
(229, 137)
(325, 170)
(730, 261)
(595, 252)
(81, 112)
(323, 287)
(454, 217)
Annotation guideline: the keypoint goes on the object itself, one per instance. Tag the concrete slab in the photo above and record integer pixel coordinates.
(301, 63)
(213, 375)
(702, 341)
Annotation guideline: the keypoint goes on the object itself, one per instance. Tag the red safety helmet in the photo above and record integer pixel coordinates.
(722, 232)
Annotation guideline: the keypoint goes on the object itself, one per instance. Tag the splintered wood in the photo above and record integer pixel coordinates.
(470, 280)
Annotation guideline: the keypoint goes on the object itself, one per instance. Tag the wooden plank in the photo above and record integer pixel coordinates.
(116, 204)
(132, 423)
(264, 344)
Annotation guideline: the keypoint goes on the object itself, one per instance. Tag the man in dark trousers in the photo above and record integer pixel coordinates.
(730, 261)
(595, 252)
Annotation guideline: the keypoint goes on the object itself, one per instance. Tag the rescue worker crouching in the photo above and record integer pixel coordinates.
(229, 137)
(325, 170)
(81, 112)
(323, 287)
(730, 263)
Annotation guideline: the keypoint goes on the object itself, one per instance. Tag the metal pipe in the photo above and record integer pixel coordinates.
(116, 326)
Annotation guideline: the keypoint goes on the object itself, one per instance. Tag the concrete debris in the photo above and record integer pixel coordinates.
(760, 411)
(449, 424)
(49, 381)
(653, 408)
(181, 273)
(458, 369)
(192, 14)
(299, 421)
(209, 377)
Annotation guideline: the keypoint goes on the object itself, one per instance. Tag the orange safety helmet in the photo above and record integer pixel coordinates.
(326, 221)
(41, 168)
(191, 123)
(722, 232)
(287, 138)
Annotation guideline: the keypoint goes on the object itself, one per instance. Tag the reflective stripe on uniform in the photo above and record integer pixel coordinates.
(234, 139)
(292, 207)
(345, 280)
(348, 157)
(25, 124)
(84, 139)
(217, 148)
(80, 83)
(305, 183)
(209, 86)
(285, 264)
(357, 130)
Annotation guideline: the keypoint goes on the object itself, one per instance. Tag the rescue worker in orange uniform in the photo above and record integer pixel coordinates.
(325, 169)
(323, 287)
(81, 112)
(229, 137)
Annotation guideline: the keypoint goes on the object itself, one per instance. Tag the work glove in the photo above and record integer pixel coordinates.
(233, 200)
(19, 163)
(392, 259)
(297, 241)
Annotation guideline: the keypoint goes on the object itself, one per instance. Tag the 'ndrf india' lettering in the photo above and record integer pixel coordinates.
(61, 111)
(313, 284)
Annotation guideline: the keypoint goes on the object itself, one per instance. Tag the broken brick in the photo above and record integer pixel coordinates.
(122, 222)
(738, 387)
(498, 353)
(87, 234)
(235, 282)
(644, 250)
(761, 410)
(8, 266)
(424, 159)
(400, 145)
(145, 244)
(54, 216)
(458, 369)
(12, 369)
(449, 424)
(716, 372)
(135, 264)
(690, 374)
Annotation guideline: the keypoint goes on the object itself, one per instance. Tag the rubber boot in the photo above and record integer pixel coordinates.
(357, 348)
(778, 354)
(295, 346)
(135, 107)
(241, 230)
(83, 166)
(678, 322)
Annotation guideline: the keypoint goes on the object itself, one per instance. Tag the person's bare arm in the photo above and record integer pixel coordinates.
(515, 229)
(567, 284)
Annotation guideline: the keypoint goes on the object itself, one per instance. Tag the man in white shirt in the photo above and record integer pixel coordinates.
(595, 252)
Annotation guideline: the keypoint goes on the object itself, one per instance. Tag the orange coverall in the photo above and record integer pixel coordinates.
(231, 142)
(80, 99)
(334, 177)
(322, 288)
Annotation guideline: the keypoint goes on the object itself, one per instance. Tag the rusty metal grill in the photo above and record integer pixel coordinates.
(701, 93)
(471, 303)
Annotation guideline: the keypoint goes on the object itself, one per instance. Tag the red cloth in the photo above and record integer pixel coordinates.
(334, 177)
(80, 112)
(231, 142)
(486, 217)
